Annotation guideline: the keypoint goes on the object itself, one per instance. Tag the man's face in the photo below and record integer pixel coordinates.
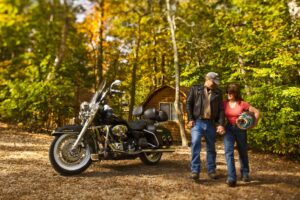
(209, 83)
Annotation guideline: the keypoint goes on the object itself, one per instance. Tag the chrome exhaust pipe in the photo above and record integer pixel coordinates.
(164, 150)
(95, 157)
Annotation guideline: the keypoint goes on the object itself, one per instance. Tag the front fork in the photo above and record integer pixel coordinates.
(85, 127)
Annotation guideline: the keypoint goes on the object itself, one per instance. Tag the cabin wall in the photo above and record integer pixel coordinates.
(167, 94)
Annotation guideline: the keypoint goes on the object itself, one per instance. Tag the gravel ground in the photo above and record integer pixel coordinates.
(25, 173)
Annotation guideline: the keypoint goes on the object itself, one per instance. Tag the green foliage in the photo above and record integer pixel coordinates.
(37, 103)
(278, 130)
(31, 43)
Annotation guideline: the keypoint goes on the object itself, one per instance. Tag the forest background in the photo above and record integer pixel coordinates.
(52, 50)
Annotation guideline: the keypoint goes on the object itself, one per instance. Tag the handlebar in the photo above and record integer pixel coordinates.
(112, 91)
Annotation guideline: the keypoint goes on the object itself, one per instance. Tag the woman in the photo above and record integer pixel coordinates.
(233, 107)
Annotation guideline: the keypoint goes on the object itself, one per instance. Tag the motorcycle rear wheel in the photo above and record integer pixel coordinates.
(150, 158)
(65, 161)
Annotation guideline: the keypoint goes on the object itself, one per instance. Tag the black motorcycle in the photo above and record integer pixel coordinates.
(104, 136)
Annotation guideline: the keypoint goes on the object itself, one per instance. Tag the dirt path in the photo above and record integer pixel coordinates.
(25, 173)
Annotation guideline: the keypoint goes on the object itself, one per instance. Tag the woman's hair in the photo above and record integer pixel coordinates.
(235, 90)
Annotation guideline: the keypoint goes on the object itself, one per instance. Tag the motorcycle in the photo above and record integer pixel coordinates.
(102, 135)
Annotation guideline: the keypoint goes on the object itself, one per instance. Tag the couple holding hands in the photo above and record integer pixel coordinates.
(208, 115)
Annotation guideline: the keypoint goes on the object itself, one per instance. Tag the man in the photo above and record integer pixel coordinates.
(206, 117)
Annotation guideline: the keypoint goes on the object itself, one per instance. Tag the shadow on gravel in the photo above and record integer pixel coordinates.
(290, 180)
(169, 169)
(137, 168)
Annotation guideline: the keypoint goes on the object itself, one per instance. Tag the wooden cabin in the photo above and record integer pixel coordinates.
(163, 99)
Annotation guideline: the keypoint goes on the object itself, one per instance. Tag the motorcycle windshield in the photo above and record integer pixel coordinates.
(99, 92)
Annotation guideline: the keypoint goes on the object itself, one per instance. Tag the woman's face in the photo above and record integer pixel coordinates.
(230, 96)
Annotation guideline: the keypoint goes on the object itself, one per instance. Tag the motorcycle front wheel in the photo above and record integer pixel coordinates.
(150, 158)
(66, 161)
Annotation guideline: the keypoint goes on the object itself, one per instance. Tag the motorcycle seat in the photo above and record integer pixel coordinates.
(137, 125)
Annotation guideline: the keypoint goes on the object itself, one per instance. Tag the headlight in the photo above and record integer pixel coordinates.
(84, 106)
(84, 112)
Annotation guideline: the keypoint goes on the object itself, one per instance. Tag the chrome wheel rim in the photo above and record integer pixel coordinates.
(71, 160)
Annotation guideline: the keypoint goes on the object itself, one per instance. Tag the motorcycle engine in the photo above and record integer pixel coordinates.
(123, 142)
(120, 131)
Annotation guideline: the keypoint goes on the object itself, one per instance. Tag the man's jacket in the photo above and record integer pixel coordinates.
(194, 104)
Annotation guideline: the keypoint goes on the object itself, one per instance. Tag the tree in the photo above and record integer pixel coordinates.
(171, 8)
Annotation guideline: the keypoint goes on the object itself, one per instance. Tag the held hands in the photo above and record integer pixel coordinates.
(191, 124)
(221, 130)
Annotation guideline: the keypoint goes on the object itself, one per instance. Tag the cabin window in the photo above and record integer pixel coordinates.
(169, 108)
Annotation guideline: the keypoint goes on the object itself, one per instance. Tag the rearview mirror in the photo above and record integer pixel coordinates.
(114, 91)
(116, 82)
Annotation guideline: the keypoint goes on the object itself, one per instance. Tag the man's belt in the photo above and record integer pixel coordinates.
(204, 119)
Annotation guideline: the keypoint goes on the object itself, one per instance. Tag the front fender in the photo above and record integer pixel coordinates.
(75, 129)
(67, 129)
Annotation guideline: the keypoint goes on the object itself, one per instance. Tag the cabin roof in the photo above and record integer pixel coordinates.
(183, 91)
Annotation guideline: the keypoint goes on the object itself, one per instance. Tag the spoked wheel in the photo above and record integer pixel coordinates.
(150, 158)
(66, 161)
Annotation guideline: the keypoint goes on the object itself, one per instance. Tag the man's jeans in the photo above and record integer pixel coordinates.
(207, 129)
(233, 134)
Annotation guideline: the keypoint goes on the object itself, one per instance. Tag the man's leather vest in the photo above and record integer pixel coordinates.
(194, 104)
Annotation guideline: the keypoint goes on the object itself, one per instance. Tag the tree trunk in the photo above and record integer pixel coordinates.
(62, 47)
(133, 75)
(178, 110)
(163, 60)
(100, 47)
(154, 76)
